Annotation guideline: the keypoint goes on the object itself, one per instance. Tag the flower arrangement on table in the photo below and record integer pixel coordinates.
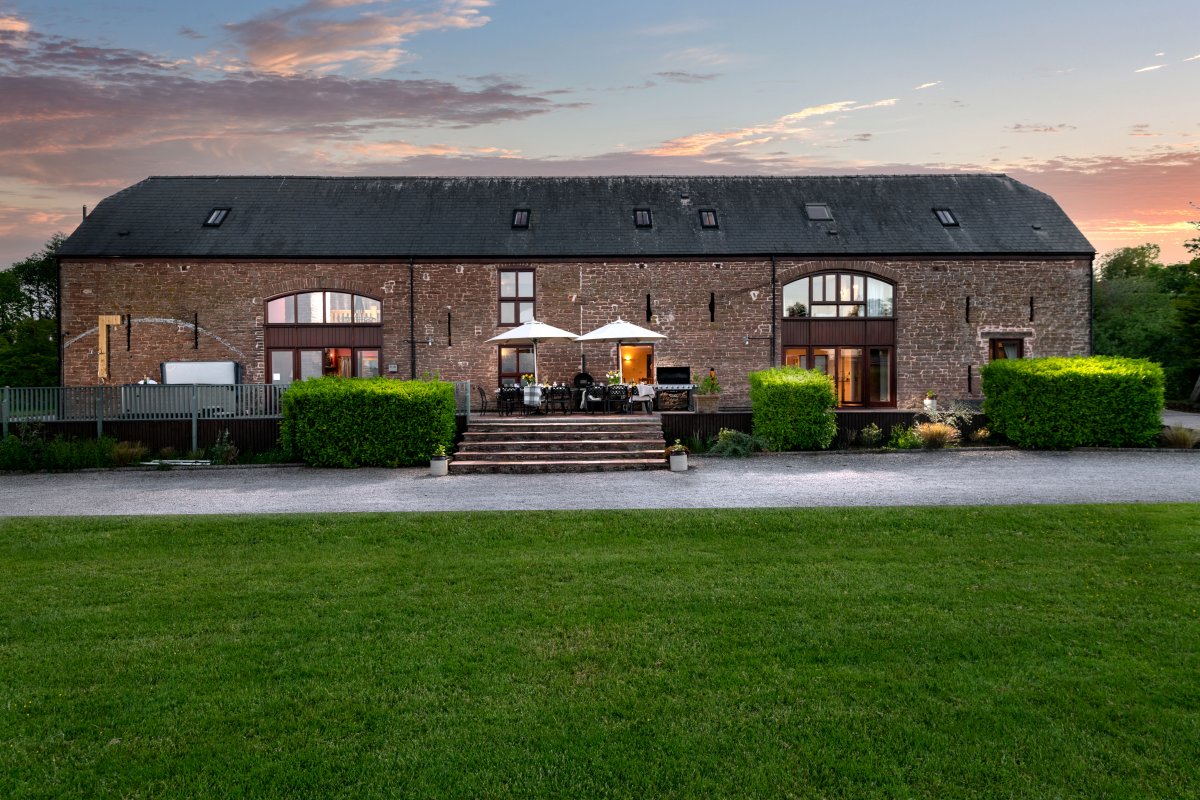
(526, 378)
(613, 377)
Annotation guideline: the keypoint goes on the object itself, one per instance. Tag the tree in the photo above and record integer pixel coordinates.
(28, 327)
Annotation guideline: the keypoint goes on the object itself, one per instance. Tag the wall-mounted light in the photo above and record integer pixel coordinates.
(429, 341)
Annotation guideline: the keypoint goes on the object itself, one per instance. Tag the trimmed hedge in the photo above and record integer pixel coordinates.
(793, 408)
(376, 422)
(1055, 403)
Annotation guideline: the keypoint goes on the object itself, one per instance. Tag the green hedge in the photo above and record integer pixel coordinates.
(1054, 403)
(793, 408)
(32, 452)
(377, 422)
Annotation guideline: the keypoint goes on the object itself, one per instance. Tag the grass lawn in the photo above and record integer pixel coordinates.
(958, 652)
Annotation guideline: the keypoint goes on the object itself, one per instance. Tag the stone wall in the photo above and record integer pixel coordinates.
(455, 311)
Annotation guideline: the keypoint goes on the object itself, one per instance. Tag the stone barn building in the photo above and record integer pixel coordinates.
(894, 285)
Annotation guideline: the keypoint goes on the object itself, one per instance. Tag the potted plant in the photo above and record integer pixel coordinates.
(439, 463)
(677, 455)
(930, 401)
(708, 394)
(527, 379)
(613, 378)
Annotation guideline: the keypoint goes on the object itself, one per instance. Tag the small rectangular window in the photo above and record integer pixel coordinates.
(946, 217)
(516, 297)
(818, 211)
(708, 218)
(641, 218)
(520, 218)
(1006, 348)
(216, 217)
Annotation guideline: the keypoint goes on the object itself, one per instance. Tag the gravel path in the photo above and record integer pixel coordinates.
(961, 477)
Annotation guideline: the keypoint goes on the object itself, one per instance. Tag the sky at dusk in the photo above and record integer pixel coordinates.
(1096, 103)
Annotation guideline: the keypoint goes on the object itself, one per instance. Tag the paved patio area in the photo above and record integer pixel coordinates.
(959, 477)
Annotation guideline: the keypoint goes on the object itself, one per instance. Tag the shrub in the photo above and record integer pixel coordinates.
(349, 422)
(980, 435)
(1067, 402)
(905, 438)
(1178, 436)
(126, 453)
(870, 436)
(735, 444)
(793, 408)
(30, 451)
(223, 450)
(936, 435)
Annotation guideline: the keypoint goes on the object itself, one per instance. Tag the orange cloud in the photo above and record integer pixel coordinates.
(13, 25)
(701, 143)
(308, 38)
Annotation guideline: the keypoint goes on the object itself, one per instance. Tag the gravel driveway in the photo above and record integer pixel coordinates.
(956, 477)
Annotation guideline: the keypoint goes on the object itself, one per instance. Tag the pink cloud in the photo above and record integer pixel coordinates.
(314, 37)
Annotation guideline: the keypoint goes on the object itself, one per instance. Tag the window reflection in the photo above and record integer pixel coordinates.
(838, 295)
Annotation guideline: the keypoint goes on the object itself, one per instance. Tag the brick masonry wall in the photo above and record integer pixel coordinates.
(935, 341)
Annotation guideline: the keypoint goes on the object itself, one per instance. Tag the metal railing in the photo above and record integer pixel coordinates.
(155, 401)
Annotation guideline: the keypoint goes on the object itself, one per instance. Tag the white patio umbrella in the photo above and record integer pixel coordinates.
(532, 332)
(620, 331)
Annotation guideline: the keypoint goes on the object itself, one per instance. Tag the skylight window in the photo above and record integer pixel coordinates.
(708, 218)
(641, 218)
(216, 217)
(520, 218)
(946, 217)
(818, 211)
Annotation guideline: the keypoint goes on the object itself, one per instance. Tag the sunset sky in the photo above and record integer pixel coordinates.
(1096, 103)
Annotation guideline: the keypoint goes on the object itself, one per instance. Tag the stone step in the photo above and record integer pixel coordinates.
(614, 425)
(481, 437)
(560, 455)
(478, 446)
(465, 467)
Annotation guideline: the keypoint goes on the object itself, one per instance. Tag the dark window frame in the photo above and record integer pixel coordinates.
(996, 345)
(217, 216)
(516, 299)
(514, 376)
(811, 208)
(324, 303)
(295, 354)
(520, 218)
(947, 217)
(637, 218)
(809, 303)
(806, 352)
(704, 223)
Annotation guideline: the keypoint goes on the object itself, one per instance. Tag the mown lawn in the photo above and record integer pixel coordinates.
(960, 652)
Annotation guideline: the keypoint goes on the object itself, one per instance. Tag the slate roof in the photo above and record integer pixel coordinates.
(388, 218)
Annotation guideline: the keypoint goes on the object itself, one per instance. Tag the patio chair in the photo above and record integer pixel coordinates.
(617, 398)
(642, 395)
(509, 400)
(559, 397)
(594, 398)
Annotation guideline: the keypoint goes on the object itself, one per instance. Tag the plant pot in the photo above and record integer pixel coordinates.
(930, 404)
(679, 462)
(707, 403)
(439, 466)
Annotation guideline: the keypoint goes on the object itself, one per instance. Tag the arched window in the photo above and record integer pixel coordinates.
(843, 324)
(322, 332)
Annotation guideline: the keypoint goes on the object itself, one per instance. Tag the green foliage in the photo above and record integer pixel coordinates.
(735, 444)
(350, 422)
(709, 385)
(28, 329)
(1143, 309)
(1051, 403)
(223, 450)
(30, 451)
(904, 437)
(29, 353)
(870, 436)
(126, 453)
(793, 408)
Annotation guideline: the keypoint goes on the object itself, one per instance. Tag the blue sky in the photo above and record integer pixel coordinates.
(1091, 102)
